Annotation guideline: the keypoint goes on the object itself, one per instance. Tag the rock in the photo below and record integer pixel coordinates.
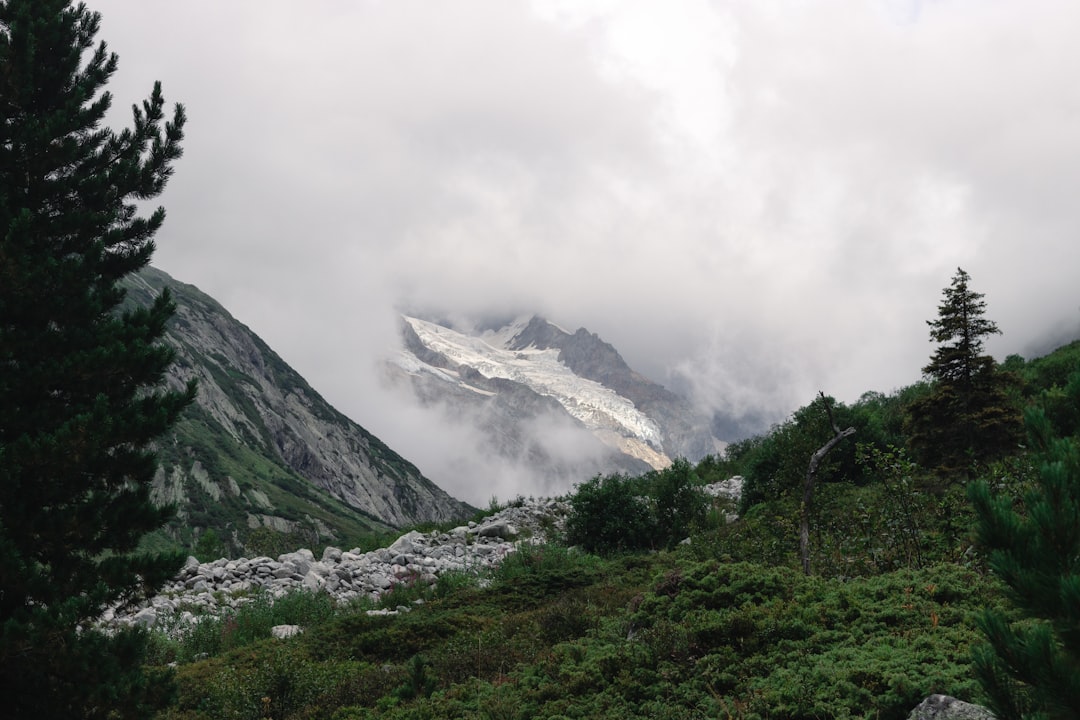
(282, 632)
(302, 560)
(146, 617)
(313, 581)
(943, 707)
(286, 570)
(730, 489)
(406, 544)
(498, 529)
(211, 588)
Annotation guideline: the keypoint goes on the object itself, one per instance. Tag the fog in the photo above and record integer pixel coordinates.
(751, 201)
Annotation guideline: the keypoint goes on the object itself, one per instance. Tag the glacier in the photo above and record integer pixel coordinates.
(599, 408)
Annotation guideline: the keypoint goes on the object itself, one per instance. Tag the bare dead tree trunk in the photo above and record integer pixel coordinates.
(808, 486)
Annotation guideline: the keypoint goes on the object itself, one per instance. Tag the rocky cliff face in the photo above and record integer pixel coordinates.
(261, 448)
(526, 382)
(685, 432)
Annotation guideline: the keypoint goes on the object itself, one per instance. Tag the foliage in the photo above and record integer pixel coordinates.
(609, 515)
(660, 635)
(968, 417)
(209, 547)
(678, 503)
(776, 467)
(211, 635)
(536, 572)
(1032, 669)
(278, 682)
(724, 627)
(616, 513)
(81, 400)
(1052, 382)
(267, 541)
(905, 506)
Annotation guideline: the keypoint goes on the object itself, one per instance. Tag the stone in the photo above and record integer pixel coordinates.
(406, 544)
(302, 560)
(313, 581)
(286, 570)
(209, 589)
(283, 632)
(498, 529)
(146, 617)
(943, 707)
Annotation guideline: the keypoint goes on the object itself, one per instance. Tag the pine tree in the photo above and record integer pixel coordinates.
(1031, 669)
(967, 416)
(82, 395)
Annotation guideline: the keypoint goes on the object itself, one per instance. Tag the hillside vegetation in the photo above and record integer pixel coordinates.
(619, 619)
(261, 463)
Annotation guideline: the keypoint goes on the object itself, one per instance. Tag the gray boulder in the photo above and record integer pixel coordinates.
(497, 529)
(282, 632)
(943, 707)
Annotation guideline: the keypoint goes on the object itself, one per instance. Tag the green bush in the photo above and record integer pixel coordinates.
(1031, 669)
(535, 572)
(609, 515)
(615, 513)
(679, 504)
(277, 685)
(209, 547)
(211, 635)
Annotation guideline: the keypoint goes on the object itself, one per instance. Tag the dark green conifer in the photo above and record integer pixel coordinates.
(1031, 668)
(81, 379)
(967, 416)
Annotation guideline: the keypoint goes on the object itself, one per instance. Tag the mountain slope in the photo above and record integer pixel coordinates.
(260, 448)
(565, 403)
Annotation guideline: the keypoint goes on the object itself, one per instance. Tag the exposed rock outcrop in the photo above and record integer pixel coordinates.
(260, 442)
(215, 587)
(943, 707)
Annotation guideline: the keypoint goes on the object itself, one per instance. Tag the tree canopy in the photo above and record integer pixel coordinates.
(81, 379)
(967, 416)
(1031, 669)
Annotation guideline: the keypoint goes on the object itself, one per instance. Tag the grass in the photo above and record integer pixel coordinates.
(554, 632)
(184, 641)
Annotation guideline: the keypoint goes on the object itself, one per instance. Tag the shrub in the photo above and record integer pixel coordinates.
(608, 515)
(680, 506)
(1031, 669)
(212, 635)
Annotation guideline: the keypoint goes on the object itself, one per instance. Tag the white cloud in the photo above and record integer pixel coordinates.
(766, 197)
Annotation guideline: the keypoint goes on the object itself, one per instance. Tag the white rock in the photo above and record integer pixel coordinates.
(146, 617)
(281, 632)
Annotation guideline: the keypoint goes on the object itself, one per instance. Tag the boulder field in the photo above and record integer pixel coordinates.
(212, 588)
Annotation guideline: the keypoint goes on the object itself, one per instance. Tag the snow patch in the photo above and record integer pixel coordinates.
(597, 407)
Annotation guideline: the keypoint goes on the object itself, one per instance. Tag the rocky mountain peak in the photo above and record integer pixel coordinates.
(261, 450)
(507, 377)
(540, 334)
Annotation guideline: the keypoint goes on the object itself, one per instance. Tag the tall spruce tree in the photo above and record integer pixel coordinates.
(967, 416)
(81, 379)
(1031, 669)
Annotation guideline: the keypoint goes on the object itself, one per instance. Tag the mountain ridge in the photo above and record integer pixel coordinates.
(260, 448)
(574, 382)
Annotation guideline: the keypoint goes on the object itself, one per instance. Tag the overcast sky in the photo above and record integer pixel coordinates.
(765, 198)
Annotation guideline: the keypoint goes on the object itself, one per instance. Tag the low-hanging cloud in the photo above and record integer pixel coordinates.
(751, 201)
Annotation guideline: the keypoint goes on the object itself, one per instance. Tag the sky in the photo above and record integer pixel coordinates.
(752, 201)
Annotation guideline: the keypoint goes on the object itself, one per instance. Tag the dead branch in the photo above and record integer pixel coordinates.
(808, 486)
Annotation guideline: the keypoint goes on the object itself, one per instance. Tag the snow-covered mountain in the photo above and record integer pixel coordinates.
(567, 403)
